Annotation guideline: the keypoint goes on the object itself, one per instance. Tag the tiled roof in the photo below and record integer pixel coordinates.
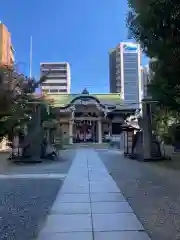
(61, 100)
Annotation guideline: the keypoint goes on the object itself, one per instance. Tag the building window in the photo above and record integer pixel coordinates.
(57, 90)
(131, 70)
(54, 66)
(62, 90)
(53, 90)
(54, 71)
(56, 76)
(54, 84)
(59, 71)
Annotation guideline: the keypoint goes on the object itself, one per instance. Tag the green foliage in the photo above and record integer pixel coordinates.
(16, 99)
(172, 134)
(165, 124)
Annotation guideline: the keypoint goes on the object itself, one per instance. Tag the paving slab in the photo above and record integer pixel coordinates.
(107, 197)
(103, 188)
(90, 205)
(123, 235)
(116, 222)
(75, 188)
(72, 198)
(57, 223)
(110, 207)
(67, 236)
(71, 208)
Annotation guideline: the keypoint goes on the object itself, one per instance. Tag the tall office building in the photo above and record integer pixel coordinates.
(6, 47)
(58, 79)
(114, 87)
(125, 72)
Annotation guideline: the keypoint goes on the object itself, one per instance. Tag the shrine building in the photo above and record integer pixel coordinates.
(89, 117)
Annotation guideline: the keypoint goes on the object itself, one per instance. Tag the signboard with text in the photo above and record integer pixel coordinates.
(130, 48)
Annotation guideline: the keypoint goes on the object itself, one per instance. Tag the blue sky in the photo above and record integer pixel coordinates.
(78, 31)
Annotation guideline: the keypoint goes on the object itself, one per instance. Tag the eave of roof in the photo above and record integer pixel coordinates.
(61, 100)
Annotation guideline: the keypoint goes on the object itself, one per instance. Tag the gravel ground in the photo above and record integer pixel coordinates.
(24, 204)
(152, 191)
(61, 166)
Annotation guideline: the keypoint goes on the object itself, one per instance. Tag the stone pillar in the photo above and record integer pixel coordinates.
(147, 130)
(99, 131)
(70, 132)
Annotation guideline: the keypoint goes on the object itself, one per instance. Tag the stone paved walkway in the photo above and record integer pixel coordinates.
(90, 206)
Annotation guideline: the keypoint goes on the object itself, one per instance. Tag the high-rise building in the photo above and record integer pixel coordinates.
(125, 72)
(112, 71)
(6, 47)
(58, 78)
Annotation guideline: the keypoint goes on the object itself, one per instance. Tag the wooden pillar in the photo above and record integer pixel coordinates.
(99, 131)
(110, 128)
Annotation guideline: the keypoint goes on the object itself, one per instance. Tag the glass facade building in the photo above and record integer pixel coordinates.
(128, 73)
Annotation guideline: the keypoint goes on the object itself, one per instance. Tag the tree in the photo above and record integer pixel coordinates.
(155, 24)
(16, 98)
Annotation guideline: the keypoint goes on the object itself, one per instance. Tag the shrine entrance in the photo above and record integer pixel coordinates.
(85, 131)
(86, 118)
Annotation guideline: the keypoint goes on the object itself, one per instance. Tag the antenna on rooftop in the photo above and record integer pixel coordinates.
(30, 60)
